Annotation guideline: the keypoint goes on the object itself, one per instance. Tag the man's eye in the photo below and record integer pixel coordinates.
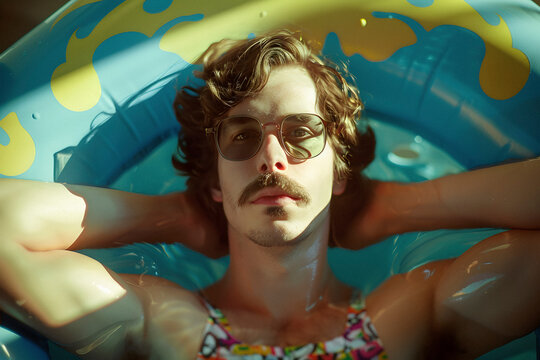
(300, 133)
(240, 137)
(244, 136)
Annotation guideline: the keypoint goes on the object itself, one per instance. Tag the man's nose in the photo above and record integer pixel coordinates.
(271, 157)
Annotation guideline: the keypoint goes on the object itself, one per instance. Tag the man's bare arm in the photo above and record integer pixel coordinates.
(46, 216)
(461, 308)
(489, 295)
(504, 196)
(70, 298)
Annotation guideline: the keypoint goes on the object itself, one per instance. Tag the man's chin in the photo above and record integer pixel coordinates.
(273, 238)
(282, 232)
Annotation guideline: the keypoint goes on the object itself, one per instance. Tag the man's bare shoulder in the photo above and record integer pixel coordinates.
(151, 282)
(175, 317)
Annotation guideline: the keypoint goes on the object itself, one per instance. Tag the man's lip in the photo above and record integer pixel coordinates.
(280, 200)
(272, 195)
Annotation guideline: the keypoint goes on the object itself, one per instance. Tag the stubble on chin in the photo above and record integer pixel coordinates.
(269, 238)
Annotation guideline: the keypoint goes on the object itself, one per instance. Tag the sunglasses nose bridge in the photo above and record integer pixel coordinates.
(278, 130)
(278, 127)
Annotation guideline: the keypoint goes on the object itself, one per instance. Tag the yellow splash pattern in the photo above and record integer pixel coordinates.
(346, 18)
(75, 83)
(503, 73)
(18, 155)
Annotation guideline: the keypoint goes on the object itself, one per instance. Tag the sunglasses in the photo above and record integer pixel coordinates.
(238, 138)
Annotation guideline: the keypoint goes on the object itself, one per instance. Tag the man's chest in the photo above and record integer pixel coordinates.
(321, 326)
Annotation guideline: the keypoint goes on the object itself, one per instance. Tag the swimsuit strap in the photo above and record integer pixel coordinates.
(217, 336)
(358, 301)
(215, 316)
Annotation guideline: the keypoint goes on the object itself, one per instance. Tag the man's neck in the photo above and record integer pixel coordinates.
(281, 282)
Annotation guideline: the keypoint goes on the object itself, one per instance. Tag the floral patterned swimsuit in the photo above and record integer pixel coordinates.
(359, 341)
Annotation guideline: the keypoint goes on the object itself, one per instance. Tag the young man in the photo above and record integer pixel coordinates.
(272, 140)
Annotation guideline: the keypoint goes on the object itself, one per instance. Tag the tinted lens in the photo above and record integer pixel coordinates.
(303, 135)
(239, 138)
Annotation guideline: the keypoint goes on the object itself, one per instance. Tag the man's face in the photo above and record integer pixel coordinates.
(299, 189)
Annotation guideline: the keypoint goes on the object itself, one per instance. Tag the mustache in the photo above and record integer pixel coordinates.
(280, 181)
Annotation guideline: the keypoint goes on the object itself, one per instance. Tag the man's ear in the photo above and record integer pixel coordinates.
(339, 186)
(217, 195)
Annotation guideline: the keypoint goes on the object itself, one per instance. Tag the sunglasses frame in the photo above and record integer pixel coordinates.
(215, 130)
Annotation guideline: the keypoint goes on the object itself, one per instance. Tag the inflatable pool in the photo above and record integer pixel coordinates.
(449, 85)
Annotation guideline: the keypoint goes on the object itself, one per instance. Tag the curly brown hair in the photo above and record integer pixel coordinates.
(235, 70)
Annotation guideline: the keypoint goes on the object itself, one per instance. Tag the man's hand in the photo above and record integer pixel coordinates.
(358, 215)
(187, 223)
(369, 211)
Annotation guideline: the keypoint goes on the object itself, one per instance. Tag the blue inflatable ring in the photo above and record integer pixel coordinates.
(86, 96)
